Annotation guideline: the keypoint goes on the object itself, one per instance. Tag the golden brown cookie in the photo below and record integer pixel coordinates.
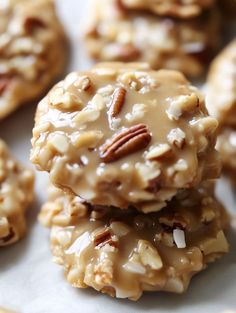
(123, 253)
(115, 34)
(32, 51)
(124, 134)
(16, 193)
(221, 92)
(174, 8)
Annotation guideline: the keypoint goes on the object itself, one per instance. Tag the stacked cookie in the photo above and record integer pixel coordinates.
(180, 35)
(221, 102)
(131, 153)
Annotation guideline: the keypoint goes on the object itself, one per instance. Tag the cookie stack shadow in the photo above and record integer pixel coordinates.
(131, 153)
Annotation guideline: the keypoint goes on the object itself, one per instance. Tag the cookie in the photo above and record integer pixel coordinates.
(221, 86)
(226, 145)
(173, 8)
(115, 34)
(124, 134)
(16, 193)
(32, 51)
(125, 253)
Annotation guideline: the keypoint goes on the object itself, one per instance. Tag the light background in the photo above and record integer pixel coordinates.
(31, 283)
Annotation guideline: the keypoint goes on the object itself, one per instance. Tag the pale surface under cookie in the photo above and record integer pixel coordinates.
(174, 8)
(221, 89)
(124, 254)
(32, 51)
(115, 34)
(16, 193)
(123, 133)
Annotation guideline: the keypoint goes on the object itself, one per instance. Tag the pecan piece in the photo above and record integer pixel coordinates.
(104, 237)
(32, 23)
(127, 52)
(8, 238)
(4, 82)
(118, 100)
(124, 143)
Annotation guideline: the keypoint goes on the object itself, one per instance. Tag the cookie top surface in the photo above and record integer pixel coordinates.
(115, 34)
(221, 89)
(16, 192)
(124, 134)
(126, 253)
(32, 51)
(173, 8)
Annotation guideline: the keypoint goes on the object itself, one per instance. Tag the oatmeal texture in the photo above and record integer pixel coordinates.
(123, 253)
(124, 134)
(32, 51)
(16, 193)
(174, 8)
(221, 92)
(116, 34)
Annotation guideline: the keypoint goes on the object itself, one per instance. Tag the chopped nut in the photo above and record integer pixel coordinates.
(64, 100)
(149, 255)
(173, 221)
(151, 207)
(59, 142)
(89, 139)
(119, 229)
(4, 227)
(148, 173)
(207, 215)
(177, 138)
(83, 83)
(182, 104)
(138, 112)
(79, 245)
(86, 116)
(218, 244)
(127, 52)
(103, 236)
(175, 285)
(165, 238)
(159, 152)
(32, 23)
(208, 125)
(118, 101)
(134, 265)
(179, 238)
(4, 83)
(103, 272)
(181, 165)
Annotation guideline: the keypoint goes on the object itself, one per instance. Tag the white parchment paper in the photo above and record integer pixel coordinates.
(31, 283)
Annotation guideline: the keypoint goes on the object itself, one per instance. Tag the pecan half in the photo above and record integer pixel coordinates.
(118, 101)
(127, 52)
(124, 143)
